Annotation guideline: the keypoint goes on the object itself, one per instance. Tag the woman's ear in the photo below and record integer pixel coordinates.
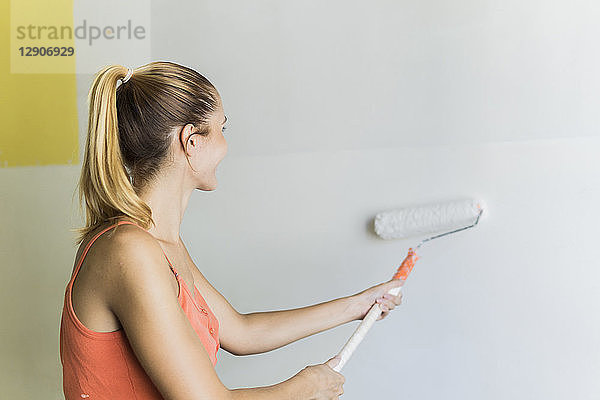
(187, 136)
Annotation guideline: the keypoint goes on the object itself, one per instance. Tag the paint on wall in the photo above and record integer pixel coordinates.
(38, 103)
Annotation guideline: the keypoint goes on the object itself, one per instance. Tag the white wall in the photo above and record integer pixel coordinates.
(506, 310)
(339, 110)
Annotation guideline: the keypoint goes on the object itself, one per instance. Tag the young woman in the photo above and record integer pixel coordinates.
(140, 321)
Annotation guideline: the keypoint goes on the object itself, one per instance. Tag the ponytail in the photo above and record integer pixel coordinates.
(104, 183)
(129, 141)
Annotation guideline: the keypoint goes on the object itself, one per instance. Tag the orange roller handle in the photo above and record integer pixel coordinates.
(406, 266)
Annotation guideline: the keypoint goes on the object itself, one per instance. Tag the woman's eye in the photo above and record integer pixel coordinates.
(223, 130)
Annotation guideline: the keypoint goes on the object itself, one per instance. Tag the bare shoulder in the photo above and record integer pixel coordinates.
(134, 257)
(128, 242)
(124, 252)
(141, 297)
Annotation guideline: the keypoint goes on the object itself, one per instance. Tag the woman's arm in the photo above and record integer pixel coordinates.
(266, 331)
(260, 332)
(292, 388)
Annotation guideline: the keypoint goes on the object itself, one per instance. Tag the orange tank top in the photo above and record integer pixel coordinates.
(102, 365)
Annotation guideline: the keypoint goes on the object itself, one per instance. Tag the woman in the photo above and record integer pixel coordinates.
(132, 328)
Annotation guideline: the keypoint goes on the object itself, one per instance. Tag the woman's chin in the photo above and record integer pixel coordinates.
(208, 187)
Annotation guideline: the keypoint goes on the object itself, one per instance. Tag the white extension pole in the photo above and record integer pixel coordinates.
(360, 332)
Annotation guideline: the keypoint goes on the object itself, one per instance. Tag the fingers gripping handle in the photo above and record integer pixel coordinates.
(368, 321)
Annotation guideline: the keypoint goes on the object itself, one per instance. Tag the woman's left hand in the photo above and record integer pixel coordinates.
(363, 301)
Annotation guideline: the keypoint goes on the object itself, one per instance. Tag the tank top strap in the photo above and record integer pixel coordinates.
(167, 258)
(87, 247)
(170, 265)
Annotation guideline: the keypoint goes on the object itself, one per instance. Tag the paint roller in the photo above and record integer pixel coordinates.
(449, 217)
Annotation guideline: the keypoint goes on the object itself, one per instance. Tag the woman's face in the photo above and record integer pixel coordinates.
(206, 152)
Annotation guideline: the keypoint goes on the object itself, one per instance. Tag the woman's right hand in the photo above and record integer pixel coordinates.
(322, 381)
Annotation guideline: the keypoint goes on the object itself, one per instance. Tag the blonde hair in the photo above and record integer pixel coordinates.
(128, 140)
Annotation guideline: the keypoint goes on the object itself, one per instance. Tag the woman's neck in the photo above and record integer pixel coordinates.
(168, 200)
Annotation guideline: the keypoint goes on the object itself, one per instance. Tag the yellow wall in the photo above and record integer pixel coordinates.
(39, 127)
(38, 110)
